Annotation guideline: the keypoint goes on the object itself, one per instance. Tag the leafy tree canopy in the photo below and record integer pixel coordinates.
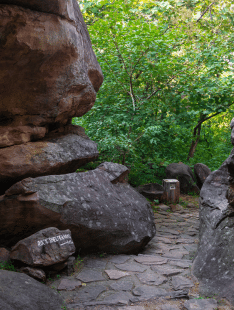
(168, 89)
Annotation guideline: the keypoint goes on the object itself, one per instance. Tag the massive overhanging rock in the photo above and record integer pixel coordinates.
(214, 262)
(49, 72)
(102, 216)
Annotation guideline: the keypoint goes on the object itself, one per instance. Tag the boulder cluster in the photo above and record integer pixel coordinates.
(50, 74)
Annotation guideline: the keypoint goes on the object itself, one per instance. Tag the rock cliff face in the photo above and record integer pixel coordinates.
(214, 264)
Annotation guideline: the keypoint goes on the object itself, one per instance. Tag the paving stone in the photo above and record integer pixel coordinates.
(87, 294)
(165, 240)
(182, 240)
(132, 308)
(69, 285)
(95, 263)
(200, 304)
(163, 207)
(123, 285)
(116, 274)
(192, 233)
(146, 292)
(173, 232)
(174, 254)
(167, 271)
(87, 275)
(150, 260)
(179, 294)
(151, 278)
(180, 282)
(169, 307)
(180, 263)
(116, 299)
(131, 266)
(119, 259)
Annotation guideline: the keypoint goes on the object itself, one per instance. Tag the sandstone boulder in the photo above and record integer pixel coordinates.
(49, 72)
(20, 292)
(201, 172)
(45, 248)
(102, 216)
(184, 174)
(58, 154)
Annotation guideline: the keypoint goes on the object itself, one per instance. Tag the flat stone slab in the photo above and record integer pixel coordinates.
(116, 274)
(169, 307)
(87, 275)
(151, 278)
(120, 259)
(201, 304)
(87, 294)
(131, 266)
(174, 254)
(123, 285)
(165, 240)
(146, 292)
(180, 263)
(150, 260)
(116, 299)
(183, 240)
(95, 263)
(180, 282)
(173, 232)
(69, 285)
(166, 271)
(132, 308)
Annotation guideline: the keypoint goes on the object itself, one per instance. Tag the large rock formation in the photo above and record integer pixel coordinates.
(201, 172)
(49, 74)
(20, 292)
(214, 263)
(184, 174)
(101, 216)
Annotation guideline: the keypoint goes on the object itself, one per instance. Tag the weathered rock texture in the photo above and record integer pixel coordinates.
(49, 72)
(214, 264)
(101, 216)
(45, 248)
(201, 172)
(184, 174)
(20, 292)
(62, 153)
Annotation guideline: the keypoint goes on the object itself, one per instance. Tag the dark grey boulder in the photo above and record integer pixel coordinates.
(201, 172)
(152, 191)
(20, 292)
(102, 217)
(184, 174)
(60, 153)
(214, 264)
(116, 172)
(47, 247)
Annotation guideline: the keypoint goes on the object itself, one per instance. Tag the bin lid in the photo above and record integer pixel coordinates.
(170, 180)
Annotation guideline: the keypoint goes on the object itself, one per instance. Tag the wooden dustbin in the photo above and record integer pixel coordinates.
(171, 190)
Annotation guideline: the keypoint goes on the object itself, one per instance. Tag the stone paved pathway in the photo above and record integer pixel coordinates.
(159, 278)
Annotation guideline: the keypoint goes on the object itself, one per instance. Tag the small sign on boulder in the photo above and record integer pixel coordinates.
(45, 248)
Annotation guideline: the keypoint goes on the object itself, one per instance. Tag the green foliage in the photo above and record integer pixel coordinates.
(167, 65)
(7, 266)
